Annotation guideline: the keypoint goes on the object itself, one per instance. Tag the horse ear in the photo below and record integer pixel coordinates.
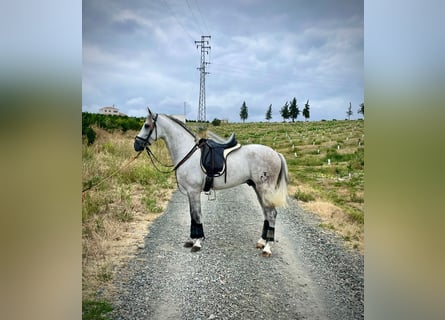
(149, 112)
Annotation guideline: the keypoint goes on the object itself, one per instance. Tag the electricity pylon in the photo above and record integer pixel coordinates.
(205, 48)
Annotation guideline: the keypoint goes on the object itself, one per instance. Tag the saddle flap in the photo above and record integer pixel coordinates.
(214, 154)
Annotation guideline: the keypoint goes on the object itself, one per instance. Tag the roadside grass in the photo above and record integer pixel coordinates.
(326, 168)
(116, 213)
(95, 310)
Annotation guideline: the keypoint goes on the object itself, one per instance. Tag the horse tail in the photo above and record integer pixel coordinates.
(278, 196)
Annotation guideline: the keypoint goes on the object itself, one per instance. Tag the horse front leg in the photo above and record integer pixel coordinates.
(196, 228)
(268, 234)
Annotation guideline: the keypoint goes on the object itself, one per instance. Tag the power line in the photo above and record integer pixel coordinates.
(194, 17)
(202, 18)
(177, 20)
(246, 71)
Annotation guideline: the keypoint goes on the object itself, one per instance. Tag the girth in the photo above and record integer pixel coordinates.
(214, 158)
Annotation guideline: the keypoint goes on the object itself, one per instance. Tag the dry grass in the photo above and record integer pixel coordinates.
(116, 214)
(335, 219)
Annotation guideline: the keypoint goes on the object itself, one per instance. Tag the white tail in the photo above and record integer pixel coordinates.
(278, 197)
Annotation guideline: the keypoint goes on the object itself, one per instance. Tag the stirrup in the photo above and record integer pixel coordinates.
(209, 195)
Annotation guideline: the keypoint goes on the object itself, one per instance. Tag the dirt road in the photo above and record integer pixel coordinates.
(309, 276)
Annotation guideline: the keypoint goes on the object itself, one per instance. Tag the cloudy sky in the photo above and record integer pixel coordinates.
(142, 53)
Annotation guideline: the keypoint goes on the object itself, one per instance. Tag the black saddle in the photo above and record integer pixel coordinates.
(213, 157)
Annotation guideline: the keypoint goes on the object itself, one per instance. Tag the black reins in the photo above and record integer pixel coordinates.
(153, 157)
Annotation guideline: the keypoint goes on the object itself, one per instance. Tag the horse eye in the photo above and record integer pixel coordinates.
(146, 125)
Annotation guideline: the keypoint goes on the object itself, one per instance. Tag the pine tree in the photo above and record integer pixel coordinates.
(306, 114)
(349, 112)
(285, 111)
(269, 113)
(244, 112)
(293, 110)
(361, 109)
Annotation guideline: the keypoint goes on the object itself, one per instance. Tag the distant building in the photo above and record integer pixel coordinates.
(111, 111)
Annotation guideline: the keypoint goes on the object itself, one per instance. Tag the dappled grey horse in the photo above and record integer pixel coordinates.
(257, 165)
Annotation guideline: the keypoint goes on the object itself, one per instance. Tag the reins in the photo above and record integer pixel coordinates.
(152, 158)
(180, 163)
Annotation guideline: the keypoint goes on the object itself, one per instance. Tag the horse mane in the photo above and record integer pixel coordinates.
(181, 124)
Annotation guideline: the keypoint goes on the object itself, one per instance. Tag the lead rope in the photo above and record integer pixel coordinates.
(112, 174)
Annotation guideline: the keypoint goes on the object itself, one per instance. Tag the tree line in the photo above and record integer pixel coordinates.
(108, 122)
(290, 110)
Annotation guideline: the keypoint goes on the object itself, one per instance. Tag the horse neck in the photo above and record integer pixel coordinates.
(178, 140)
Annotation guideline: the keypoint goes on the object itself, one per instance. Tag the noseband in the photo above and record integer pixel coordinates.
(153, 128)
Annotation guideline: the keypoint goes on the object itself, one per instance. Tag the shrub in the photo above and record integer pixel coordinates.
(337, 157)
(95, 309)
(110, 122)
(91, 135)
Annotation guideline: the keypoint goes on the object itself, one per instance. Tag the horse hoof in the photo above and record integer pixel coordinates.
(196, 245)
(261, 243)
(266, 254)
(188, 244)
(266, 251)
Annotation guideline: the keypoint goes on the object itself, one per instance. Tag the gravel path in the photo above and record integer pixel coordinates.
(309, 276)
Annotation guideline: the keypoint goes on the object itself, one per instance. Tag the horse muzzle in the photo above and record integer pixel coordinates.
(140, 144)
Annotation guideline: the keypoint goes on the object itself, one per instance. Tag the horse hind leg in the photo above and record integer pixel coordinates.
(270, 214)
(268, 233)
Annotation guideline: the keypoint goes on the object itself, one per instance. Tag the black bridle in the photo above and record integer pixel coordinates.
(146, 141)
(146, 145)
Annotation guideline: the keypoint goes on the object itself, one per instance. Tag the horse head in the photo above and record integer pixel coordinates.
(144, 137)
